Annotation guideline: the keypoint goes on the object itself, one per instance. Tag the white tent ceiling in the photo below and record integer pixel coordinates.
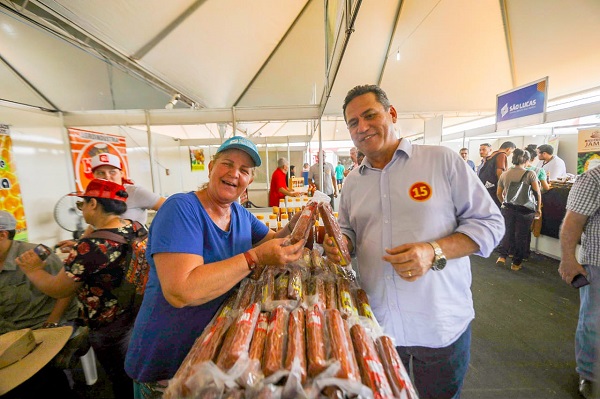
(255, 64)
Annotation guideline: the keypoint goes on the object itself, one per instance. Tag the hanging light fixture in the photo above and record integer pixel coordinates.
(398, 55)
(173, 101)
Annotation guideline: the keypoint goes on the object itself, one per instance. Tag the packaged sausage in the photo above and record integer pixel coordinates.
(305, 222)
(238, 337)
(341, 349)
(316, 292)
(345, 299)
(296, 345)
(371, 368)
(246, 295)
(330, 295)
(257, 346)
(363, 305)
(268, 288)
(394, 368)
(315, 341)
(334, 232)
(275, 343)
(295, 289)
(204, 349)
(281, 287)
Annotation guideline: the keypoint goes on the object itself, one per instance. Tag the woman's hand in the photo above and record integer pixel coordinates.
(273, 252)
(65, 245)
(29, 262)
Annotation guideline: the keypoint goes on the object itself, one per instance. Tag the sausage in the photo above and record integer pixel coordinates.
(392, 364)
(295, 284)
(316, 290)
(305, 223)
(363, 305)
(281, 287)
(317, 261)
(315, 342)
(209, 346)
(330, 295)
(275, 343)
(268, 288)
(238, 337)
(204, 349)
(340, 347)
(352, 357)
(257, 346)
(333, 230)
(228, 305)
(369, 364)
(296, 346)
(345, 300)
(246, 294)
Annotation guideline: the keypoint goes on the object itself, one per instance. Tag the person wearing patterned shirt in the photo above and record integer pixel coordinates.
(582, 222)
(95, 271)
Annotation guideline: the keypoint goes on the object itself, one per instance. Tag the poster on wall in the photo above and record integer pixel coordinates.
(10, 191)
(588, 149)
(196, 158)
(85, 144)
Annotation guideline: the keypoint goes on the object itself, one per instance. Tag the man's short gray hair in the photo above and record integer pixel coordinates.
(281, 162)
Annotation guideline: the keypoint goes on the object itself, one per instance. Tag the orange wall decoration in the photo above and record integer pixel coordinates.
(85, 144)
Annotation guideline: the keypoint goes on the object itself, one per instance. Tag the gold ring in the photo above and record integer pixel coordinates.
(409, 273)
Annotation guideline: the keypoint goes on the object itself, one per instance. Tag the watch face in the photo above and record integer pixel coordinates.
(439, 264)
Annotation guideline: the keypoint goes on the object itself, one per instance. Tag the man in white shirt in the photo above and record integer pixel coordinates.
(552, 164)
(406, 211)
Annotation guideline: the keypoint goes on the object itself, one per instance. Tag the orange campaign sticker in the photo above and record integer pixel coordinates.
(420, 191)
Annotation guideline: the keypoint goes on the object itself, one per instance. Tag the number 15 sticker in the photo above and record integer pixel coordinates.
(420, 191)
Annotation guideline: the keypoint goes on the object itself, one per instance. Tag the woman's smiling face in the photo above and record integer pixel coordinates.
(230, 174)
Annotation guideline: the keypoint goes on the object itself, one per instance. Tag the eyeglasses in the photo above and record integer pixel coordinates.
(79, 205)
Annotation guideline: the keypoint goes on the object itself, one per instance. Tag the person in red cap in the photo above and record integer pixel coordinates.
(94, 271)
(108, 166)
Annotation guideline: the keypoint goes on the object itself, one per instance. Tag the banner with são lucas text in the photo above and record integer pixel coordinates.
(10, 189)
(85, 144)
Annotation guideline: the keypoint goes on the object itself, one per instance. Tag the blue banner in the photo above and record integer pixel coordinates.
(524, 101)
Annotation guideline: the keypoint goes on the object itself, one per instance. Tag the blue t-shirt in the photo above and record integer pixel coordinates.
(163, 335)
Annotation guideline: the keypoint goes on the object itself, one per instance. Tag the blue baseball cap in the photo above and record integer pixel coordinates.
(242, 143)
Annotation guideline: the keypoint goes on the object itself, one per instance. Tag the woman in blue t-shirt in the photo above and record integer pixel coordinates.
(201, 245)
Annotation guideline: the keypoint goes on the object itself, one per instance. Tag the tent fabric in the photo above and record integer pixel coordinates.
(254, 64)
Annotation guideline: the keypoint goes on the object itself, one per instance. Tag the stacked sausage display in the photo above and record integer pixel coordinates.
(302, 331)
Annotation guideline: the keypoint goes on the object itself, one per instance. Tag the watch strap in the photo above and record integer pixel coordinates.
(250, 260)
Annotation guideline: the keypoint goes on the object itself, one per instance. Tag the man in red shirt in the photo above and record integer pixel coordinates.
(279, 187)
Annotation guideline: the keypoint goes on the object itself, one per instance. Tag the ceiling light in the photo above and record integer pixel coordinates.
(398, 55)
(173, 101)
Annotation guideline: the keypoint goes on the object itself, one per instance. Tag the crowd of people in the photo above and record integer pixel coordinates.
(412, 244)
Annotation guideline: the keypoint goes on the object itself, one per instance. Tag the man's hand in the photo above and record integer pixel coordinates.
(569, 268)
(410, 261)
(29, 262)
(331, 250)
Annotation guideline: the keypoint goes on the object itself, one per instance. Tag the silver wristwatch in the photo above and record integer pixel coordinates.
(439, 259)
